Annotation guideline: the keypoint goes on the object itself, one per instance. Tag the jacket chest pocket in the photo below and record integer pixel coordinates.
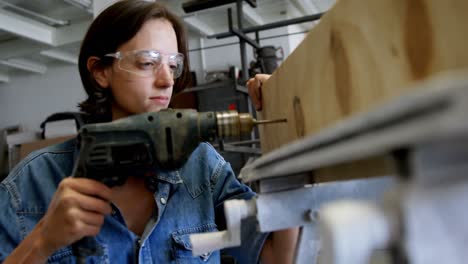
(62, 256)
(182, 248)
(65, 256)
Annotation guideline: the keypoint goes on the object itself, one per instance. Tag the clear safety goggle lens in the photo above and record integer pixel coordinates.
(146, 63)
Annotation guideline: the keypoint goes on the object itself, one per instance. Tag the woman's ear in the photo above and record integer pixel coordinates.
(99, 73)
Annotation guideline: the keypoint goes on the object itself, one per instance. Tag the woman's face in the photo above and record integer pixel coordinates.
(134, 94)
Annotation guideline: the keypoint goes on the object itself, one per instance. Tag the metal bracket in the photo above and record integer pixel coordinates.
(239, 33)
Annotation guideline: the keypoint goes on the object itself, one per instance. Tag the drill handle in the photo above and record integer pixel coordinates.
(87, 246)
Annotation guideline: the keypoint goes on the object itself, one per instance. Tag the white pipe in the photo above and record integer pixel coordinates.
(351, 230)
(234, 211)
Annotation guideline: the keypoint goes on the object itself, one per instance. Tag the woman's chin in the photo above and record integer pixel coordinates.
(157, 108)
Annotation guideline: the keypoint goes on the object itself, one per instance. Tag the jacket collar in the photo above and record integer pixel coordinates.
(172, 177)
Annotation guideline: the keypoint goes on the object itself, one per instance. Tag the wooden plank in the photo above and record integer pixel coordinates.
(362, 53)
(367, 168)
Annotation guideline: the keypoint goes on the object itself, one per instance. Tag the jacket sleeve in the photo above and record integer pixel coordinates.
(9, 222)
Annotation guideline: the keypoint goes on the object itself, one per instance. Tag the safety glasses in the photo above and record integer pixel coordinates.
(146, 63)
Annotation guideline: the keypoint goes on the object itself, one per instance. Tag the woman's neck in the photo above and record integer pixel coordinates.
(135, 202)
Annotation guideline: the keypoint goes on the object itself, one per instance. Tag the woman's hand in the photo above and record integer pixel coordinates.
(77, 210)
(255, 89)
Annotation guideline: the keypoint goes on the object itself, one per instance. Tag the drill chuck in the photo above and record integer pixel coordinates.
(231, 124)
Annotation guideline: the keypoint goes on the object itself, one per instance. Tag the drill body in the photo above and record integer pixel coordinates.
(136, 145)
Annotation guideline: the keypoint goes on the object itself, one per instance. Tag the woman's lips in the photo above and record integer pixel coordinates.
(160, 99)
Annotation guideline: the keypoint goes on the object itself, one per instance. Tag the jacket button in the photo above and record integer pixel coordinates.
(163, 200)
(205, 256)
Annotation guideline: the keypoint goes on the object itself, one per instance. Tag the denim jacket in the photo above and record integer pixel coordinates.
(189, 200)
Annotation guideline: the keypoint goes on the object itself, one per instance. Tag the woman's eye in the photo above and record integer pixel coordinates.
(145, 64)
(172, 65)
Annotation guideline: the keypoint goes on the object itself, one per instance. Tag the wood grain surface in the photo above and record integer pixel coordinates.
(362, 53)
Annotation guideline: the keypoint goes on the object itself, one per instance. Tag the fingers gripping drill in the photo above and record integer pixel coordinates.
(137, 145)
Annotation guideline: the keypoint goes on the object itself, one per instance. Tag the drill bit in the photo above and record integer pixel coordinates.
(271, 121)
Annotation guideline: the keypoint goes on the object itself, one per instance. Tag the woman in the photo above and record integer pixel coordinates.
(132, 60)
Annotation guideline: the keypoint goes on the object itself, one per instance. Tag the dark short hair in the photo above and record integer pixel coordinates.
(116, 25)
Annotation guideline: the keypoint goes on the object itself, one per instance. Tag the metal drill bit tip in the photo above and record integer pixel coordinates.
(266, 121)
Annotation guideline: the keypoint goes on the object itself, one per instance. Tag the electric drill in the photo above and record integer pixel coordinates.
(136, 145)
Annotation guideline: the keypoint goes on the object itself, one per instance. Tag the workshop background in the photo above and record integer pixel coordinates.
(39, 46)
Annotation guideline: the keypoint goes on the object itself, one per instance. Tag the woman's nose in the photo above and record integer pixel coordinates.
(164, 77)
